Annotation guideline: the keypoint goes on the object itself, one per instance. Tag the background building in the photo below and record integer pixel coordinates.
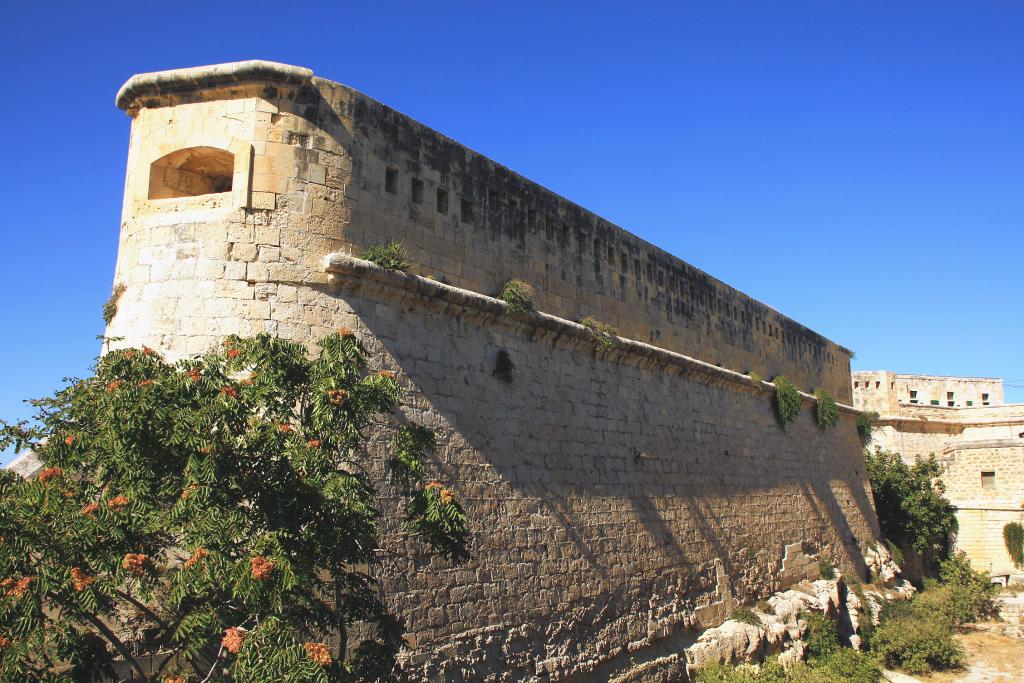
(978, 439)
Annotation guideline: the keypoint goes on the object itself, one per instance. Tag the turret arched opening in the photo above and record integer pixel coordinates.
(191, 172)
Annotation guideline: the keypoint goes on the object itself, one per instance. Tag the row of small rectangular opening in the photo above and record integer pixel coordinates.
(950, 399)
(441, 206)
(416, 193)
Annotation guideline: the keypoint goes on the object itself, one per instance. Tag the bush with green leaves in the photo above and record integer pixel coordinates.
(518, 295)
(917, 643)
(865, 424)
(826, 412)
(745, 615)
(390, 255)
(910, 501)
(787, 400)
(1013, 538)
(605, 335)
(827, 569)
(971, 592)
(212, 519)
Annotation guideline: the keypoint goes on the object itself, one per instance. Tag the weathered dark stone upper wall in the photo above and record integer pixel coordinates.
(498, 225)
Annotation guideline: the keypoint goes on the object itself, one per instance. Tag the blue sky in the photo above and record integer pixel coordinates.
(858, 166)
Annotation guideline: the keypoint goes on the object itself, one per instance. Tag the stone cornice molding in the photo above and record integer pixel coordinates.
(345, 271)
(182, 80)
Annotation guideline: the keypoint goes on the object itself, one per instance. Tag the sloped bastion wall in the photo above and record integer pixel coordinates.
(619, 500)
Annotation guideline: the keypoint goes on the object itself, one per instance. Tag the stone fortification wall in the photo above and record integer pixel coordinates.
(617, 500)
(372, 174)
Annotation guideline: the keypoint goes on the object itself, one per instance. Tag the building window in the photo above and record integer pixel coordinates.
(970, 403)
(856, 385)
(949, 399)
(934, 401)
(988, 480)
(391, 180)
(191, 172)
(984, 399)
(417, 190)
(466, 212)
(442, 201)
(913, 396)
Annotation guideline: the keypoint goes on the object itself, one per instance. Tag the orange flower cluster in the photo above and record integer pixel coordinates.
(135, 563)
(206, 450)
(194, 374)
(5, 642)
(69, 440)
(229, 390)
(262, 568)
(80, 580)
(337, 396)
(117, 503)
(146, 351)
(90, 509)
(176, 679)
(146, 382)
(15, 588)
(234, 353)
(318, 653)
(129, 354)
(387, 374)
(345, 333)
(285, 427)
(314, 443)
(49, 473)
(114, 386)
(188, 491)
(233, 639)
(198, 555)
(433, 485)
(445, 495)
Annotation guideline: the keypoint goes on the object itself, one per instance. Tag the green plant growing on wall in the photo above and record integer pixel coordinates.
(390, 255)
(866, 424)
(603, 333)
(110, 307)
(518, 295)
(213, 519)
(787, 400)
(755, 378)
(1013, 537)
(826, 412)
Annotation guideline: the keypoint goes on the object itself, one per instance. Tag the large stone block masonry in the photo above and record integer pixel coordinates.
(619, 500)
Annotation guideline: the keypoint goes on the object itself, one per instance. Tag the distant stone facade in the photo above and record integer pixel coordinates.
(977, 438)
(619, 500)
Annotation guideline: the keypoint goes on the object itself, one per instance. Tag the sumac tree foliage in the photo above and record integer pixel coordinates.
(213, 519)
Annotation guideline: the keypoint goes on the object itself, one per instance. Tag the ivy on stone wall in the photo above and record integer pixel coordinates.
(1013, 536)
(518, 295)
(787, 400)
(110, 307)
(826, 412)
(865, 424)
(604, 334)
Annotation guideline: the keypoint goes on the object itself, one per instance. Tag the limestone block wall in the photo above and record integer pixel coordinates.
(616, 500)
(366, 174)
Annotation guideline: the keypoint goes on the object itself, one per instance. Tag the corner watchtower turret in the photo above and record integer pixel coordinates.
(225, 189)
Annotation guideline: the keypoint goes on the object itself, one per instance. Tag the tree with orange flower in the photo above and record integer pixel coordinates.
(213, 519)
